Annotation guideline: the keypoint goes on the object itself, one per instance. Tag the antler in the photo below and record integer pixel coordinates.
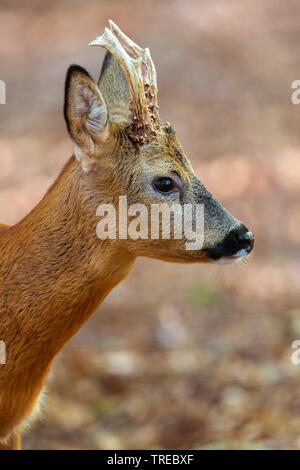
(141, 76)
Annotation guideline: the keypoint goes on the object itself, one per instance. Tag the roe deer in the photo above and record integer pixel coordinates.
(54, 270)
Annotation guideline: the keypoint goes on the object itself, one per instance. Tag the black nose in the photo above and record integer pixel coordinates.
(245, 239)
(238, 242)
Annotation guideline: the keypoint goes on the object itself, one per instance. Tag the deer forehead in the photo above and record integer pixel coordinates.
(165, 154)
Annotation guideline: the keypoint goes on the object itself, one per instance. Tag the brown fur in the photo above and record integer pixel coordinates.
(55, 272)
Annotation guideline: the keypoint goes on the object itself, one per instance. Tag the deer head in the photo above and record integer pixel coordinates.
(124, 148)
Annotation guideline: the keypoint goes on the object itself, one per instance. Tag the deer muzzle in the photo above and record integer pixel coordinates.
(239, 242)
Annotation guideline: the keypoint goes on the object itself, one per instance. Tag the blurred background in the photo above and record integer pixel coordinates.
(177, 356)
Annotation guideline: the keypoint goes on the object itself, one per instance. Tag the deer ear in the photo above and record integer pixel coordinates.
(85, 111)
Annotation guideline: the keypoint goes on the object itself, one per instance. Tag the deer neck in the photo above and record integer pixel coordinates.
(59, 271)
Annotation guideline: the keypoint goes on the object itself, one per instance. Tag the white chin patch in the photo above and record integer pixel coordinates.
(232, 259)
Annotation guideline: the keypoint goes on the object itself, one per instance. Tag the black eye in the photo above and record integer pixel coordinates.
(163, 184)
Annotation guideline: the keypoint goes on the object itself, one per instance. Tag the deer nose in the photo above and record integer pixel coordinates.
(239, 242)
(246, 240)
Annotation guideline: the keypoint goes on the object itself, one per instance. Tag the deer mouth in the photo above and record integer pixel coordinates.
(231, 259)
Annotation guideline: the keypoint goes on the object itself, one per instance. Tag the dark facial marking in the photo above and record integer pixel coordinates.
(180, 158)
(169, 130)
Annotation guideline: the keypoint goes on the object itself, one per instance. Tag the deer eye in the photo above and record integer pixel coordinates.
(164, 184)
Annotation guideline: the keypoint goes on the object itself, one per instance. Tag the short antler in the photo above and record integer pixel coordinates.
(141, 76)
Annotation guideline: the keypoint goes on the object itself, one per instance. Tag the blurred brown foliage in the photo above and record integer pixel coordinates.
(177, 356)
